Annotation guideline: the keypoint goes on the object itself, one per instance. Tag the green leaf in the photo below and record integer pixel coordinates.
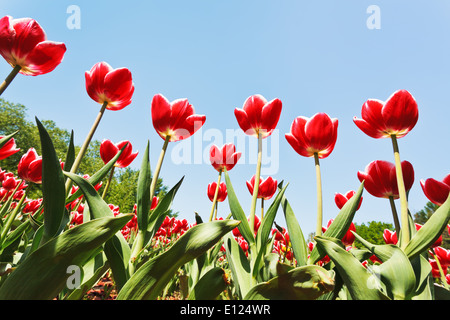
(6, 138)
(296, 236)
(360, 283)
(238, 213)
(427, 235)
(116, 249)
(302, 283)
(43, 274)
(239, 266)
(210, 285)
(143, 201)
(53, 188)
(341, 223)
(70, 155)
(151, 278)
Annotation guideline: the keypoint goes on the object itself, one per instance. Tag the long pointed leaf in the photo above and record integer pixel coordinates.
(151, 278)
(53, 188)
(43, 274)
(210, 285)
(143, 201)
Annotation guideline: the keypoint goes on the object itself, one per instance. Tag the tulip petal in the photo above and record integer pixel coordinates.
(161, 112)
(400, 113)
(270, 116)
(44, 58)
(244, 124)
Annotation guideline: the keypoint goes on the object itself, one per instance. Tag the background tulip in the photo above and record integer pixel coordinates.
(109, 150)
(396, 116)
(258, 115)
(267, 187)
(221, 196)
(341, 199)
(112, 86)
(309, 136)
(436, 191)
(30, 167)
(8, 149)
(24, 44)
(225, 158)
(175, 120)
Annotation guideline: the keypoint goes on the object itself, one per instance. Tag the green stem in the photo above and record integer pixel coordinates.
(402, 194)
(85, 145)
(11, 217)
(216, 193)
(319, 195)
(394, 215)
(9, 78)
(158, 168)
(256, 185)
(262, 208)
(108, 183)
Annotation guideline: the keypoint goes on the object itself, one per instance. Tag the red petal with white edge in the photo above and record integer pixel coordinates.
(270, 116)
(371, 113)
(108, 150)
(400, 112)
(117, 84)
(28, 34)
(298, 146)
(242, 119)
(95, 80)
(161, 112)
(7, 36)
(319, 132)
(180, 111)
(368, 129)
(45, 57)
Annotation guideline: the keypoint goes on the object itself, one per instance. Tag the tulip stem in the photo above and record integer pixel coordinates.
(256, 185)
(216, 193)
(158, 168)
(395, 215)
(319, 195)
(9, 78)
(262, 208)
(402, 194)
(108, 183)
(85, 145)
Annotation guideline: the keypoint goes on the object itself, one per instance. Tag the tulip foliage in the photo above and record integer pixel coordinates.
(63, 244)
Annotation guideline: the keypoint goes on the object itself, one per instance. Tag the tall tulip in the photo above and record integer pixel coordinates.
(30, 167)
(314, 137)
(113, 89)
(258, 118)
(24, 45)
(109, 150)
(436, 191)
(8, 149)
(380, 180)
(393, 118)
(223, 159)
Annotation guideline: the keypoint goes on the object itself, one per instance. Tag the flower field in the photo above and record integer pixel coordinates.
(73, 245)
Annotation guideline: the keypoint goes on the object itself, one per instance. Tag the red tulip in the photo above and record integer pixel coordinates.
(258, 115)
(443, 255)
(313, 135)
(30, 167)
(221, 196)
(381, 180)
(23, 43)
(154, 204)
(8, 149)
(437, 243)
(436, 191)
(11, 183)
(348, 238)
(32, 205)
(109, 150)
(396, 116)
(390, 237)
(342, 199)
(175, 119)
(225, 158)
(267, 187)
(114, 86)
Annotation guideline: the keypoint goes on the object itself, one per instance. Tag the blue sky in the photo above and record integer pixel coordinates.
(315, 56)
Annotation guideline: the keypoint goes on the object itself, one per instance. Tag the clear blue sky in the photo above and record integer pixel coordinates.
(316, 56)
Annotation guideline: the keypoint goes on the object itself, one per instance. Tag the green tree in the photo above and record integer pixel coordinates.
(372, 232)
